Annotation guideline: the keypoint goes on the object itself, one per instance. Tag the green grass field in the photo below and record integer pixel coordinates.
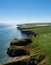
(43, 40)
(42, 30)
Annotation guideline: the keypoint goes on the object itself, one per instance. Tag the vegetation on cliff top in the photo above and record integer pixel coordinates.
(39, 49)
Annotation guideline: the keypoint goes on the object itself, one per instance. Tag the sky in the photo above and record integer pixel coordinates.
(25, 11)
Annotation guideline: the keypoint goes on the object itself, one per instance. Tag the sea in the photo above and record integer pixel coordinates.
(7, 33)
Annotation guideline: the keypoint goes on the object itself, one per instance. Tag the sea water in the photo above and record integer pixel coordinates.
(7, 34)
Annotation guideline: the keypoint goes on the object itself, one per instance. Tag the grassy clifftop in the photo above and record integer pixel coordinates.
(39, 49)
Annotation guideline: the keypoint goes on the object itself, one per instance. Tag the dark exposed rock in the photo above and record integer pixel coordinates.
(19, 28)
(17, 52)
(23, 42)
(28, 33)
(17, 63)
(22, 63)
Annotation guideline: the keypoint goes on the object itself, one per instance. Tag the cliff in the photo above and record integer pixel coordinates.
(26, 51)
(29, 54)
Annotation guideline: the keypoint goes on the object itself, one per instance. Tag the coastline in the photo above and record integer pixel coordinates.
(34, 50)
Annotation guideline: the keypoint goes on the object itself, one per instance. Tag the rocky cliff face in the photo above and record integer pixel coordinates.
(17, 52)
(29, 54)
(22, 42)
(29, 33)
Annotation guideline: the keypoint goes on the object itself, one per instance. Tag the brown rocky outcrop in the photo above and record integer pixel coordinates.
(17, 52)
(22, 42)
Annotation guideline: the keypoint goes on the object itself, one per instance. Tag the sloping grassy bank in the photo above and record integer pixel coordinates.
(44, 41)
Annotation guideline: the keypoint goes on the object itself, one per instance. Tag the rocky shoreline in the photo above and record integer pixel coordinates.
(28, 52)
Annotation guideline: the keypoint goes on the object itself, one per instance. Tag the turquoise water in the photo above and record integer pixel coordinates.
(7, 33)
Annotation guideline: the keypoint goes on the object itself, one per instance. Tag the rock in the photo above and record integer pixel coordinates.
(17, 52)
(23, 42)
(28, 33)
(19, 28)
(17, 63)
(21, 63)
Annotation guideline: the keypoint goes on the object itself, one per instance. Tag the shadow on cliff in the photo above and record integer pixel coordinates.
(17, 52)
(23, 42)
(29, 33)
(21, 63)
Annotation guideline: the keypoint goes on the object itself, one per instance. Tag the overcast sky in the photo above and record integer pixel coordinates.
(25, 11)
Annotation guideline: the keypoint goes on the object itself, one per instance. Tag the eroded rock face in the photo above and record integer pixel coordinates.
(17, 52)
(28, 33)
(17, 63)
(23, 42)
(21, 63)
(30, 61)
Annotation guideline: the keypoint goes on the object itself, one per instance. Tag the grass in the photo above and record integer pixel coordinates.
(44, 40)
(41, 45)
(34, 25)
(42, 30)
